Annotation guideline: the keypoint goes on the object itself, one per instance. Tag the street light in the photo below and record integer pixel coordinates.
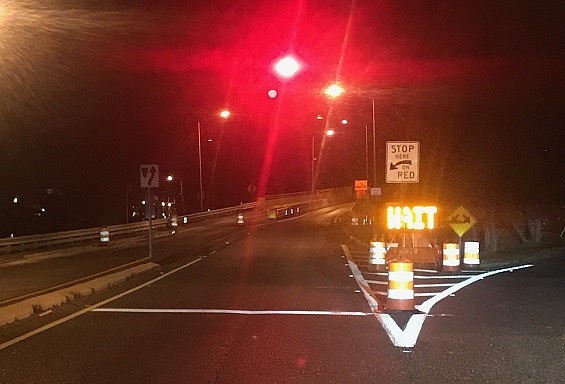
(334, 91)
(171, 178)
(287, 67)
(224, 114)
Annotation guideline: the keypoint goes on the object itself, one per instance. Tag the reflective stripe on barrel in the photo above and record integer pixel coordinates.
(400, 295)
(471, 253)
(451, 255)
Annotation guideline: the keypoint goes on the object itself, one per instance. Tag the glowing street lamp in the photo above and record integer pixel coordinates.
(287, 67)
(334, 90)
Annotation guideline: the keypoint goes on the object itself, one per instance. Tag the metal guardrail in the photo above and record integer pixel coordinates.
(72, 238)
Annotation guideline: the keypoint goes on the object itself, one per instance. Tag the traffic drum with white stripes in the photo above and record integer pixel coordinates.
(400, 295)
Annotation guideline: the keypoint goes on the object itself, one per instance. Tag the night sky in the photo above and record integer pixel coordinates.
(89, 90)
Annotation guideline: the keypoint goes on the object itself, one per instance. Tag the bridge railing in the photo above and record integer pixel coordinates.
(81, 236)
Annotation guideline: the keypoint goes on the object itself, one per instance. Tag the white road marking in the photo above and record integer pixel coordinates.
(434, 285)
(93, 307)
(229, 311)
(408, 337)
(427, 305)
(445, 277)
(400, 338)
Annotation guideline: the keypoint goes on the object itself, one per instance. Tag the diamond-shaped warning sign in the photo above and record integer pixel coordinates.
(461, 221)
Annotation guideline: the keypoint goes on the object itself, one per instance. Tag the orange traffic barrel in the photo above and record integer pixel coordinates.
(471, 253)
(377, 252)
(451, 261)
(400, 295)
(104, 235)
(240, 219)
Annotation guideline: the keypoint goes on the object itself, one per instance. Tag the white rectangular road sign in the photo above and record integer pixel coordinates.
(402, 161)
(149, 176)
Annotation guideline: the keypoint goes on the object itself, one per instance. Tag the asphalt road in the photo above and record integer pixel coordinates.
(42, 271)
(281, 306)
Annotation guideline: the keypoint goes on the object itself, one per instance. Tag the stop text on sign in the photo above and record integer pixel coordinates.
(418, 217)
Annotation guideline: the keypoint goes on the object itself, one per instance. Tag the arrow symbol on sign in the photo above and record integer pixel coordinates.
(455, 219)
(402, 162)
(152, 172)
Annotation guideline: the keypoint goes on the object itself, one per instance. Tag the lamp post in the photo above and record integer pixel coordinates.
(328, 133)
(171, 178)
(334, 91)
(224, 114)
(200, 166)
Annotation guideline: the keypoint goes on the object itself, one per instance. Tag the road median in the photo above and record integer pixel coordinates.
(42, 303)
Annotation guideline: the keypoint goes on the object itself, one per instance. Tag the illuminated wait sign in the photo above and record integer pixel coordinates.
(418, 217)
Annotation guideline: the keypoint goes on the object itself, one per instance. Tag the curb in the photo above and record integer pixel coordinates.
(26, 308)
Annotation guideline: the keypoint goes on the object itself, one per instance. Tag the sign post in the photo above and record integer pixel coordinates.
(402, 161)
(149, 178)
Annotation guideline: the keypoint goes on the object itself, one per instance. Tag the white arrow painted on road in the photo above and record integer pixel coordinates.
(408, 337)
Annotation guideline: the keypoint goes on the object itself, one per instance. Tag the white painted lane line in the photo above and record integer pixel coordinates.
(377, 273)
(446, 277)
(373, 303)
(434, 285)
(92, 307)
(230, 311)
(427, 305)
